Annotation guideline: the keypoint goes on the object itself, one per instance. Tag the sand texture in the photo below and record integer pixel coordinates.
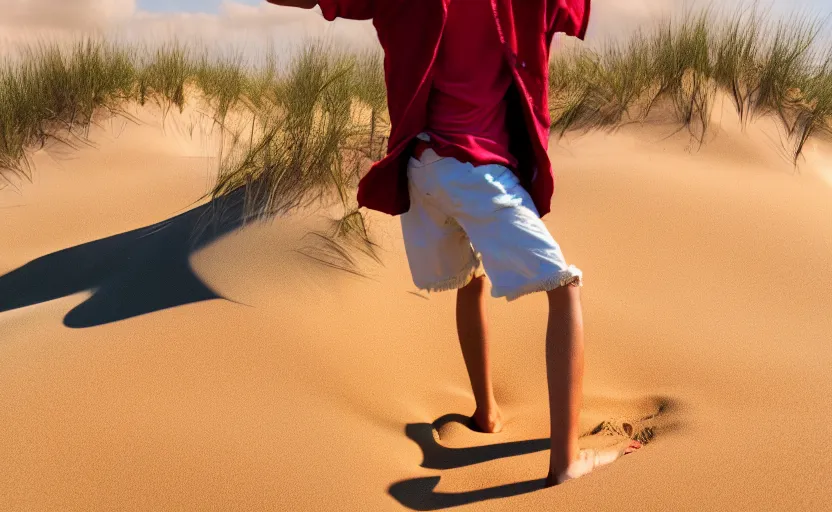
(139, 371)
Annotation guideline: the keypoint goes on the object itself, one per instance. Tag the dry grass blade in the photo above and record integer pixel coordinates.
(766, 69)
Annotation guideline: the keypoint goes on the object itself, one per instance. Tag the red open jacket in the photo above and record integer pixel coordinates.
(410, 32)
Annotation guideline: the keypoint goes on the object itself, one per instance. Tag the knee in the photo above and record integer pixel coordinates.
(475, 286)
(567, 296)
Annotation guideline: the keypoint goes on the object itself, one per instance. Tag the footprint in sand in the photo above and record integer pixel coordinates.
(441, 441)
(651, 415)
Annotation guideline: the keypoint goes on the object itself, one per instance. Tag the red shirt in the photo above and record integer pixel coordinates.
(467, 107)
(410, 32)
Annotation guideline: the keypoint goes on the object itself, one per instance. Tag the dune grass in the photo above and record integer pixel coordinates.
(314, 129)
(299, 135)
(767, 67)
(302, 134)
(53, 93)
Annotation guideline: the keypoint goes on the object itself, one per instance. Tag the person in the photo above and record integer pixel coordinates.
(467, 170)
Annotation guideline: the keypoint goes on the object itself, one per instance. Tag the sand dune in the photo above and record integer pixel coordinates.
(140, 372)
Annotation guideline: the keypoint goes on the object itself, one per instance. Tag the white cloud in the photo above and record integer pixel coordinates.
(238, 25)
(614, 18)
(74, 14)
(251, 26)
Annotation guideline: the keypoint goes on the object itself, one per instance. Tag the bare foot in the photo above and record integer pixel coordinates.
(487, 421)
(589, 460)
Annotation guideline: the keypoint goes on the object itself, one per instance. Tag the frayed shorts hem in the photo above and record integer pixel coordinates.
(458, 281)
(570, 276)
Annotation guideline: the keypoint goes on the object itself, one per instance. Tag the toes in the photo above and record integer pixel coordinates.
(632, 446)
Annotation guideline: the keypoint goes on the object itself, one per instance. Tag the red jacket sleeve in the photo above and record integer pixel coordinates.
(349, 9)
(570, 17)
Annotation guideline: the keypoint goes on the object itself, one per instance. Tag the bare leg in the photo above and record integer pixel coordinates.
(472, 328)
(565, 370)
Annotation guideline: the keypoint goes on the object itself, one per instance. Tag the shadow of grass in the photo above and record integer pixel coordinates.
(129, 274)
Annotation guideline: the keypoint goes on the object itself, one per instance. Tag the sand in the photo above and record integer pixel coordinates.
(138, 374)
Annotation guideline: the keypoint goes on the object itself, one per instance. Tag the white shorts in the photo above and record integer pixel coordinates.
(467, 220)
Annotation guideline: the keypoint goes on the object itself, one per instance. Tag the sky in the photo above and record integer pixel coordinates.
(212, 6)
(249, 23)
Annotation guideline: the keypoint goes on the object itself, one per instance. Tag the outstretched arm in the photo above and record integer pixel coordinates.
(303, 4)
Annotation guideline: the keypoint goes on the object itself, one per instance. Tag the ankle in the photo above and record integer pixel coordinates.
(491, 411)
(488, 419)
(560, 461)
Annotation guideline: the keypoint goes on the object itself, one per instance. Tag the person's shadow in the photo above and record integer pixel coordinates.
(129, 274)
(419, 494)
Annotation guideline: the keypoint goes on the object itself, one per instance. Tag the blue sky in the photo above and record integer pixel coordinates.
(185, 5)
